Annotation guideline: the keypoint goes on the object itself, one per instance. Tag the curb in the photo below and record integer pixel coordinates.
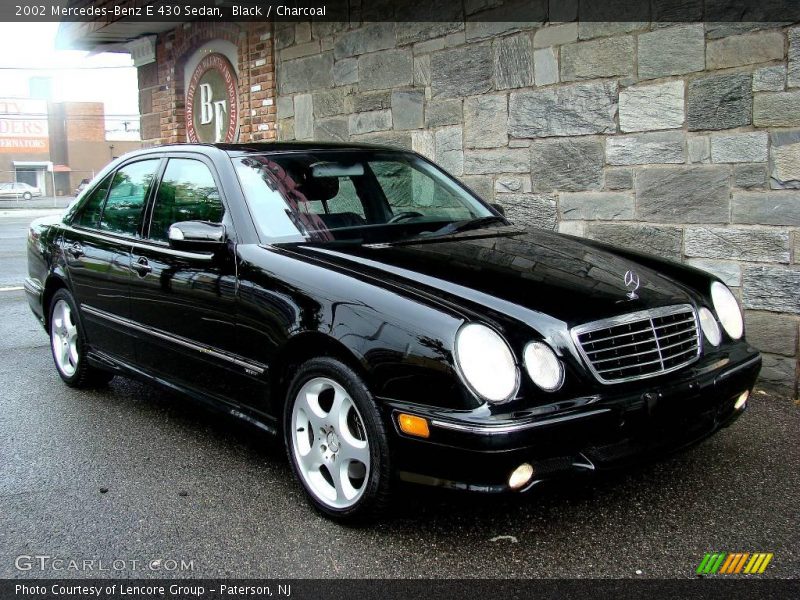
(31, 212)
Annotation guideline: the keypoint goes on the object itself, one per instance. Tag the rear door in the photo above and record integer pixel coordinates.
(97, 248)
(184, 302)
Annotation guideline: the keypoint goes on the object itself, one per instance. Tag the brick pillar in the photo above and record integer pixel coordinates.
(161, 93)
(257, 84)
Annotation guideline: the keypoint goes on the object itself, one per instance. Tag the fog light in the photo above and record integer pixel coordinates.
(741, 401)
(520, 476)
(412, 425)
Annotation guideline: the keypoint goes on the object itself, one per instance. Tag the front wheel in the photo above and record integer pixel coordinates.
(27, 196)
(336, 441)
(67, 343)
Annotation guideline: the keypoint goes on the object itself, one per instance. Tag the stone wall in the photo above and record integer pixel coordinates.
(161, 88)
(679, 139)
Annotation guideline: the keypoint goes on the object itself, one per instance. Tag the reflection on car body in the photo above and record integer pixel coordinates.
(384, 320)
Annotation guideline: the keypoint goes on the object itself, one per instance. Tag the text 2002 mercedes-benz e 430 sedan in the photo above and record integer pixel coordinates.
(383, 319)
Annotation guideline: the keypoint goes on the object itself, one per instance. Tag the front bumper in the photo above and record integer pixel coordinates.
(603, 431)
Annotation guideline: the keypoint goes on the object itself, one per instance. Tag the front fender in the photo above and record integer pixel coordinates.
(406, 350)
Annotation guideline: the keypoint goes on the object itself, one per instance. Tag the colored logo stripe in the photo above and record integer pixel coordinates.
(758, 563)
(733, 563)
(711, 563)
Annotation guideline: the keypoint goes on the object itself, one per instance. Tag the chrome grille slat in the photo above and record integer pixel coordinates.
(628, 367)
(623, 357)
(675, 323)
(618, 346)
(611, 337)
(677, 354)
(670, 334)
(677, 344)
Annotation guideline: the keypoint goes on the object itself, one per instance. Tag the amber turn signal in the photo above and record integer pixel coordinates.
(416, 426)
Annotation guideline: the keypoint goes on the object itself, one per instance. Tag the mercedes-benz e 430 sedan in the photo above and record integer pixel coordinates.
(384, 320)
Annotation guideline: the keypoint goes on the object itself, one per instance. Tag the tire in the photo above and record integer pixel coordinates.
(26, 196)
(344, 465)
(68, 346)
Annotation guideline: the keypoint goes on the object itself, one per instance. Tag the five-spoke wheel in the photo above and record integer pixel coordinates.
(336, 440)
(331, 446)
(64, 338)
(67, 344)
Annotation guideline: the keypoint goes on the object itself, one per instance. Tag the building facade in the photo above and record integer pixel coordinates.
(53, 146)
(25, 142)
(678, 139)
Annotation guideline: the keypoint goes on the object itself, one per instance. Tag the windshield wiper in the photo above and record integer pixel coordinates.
(459, 226)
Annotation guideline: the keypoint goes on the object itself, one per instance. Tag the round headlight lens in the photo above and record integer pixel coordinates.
(710, 328)
(486, 362)
(727, 310)
(543, 366)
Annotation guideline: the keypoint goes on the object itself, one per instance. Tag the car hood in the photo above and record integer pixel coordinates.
(513, 273)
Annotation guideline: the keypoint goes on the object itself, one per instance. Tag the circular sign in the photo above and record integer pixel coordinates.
(212, 102)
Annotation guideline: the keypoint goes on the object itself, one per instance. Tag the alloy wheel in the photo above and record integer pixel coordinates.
(64, 338)
(330, 443)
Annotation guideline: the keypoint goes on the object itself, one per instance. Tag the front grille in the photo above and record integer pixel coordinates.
(641, 344)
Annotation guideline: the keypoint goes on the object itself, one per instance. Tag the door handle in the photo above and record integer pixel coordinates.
(76, 250)
(141, 266)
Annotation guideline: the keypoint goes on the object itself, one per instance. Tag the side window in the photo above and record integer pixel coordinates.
(89, 214)
(187, 193)
(123, 209)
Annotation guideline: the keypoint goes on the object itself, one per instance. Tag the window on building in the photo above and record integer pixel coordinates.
(187, 193)
(123, 209)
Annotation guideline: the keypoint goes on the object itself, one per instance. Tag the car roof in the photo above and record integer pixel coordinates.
(260, 148)
(266, 147)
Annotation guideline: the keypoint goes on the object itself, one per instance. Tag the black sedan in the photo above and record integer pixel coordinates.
(384, 320)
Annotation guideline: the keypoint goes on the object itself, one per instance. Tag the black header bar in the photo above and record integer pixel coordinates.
(713, 588)
(736, 11)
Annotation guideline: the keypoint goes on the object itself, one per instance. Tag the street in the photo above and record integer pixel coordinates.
(135, 473)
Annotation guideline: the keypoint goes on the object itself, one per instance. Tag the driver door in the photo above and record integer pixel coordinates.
(183, 303)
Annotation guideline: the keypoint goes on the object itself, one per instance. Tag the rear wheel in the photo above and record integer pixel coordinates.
(27, 196)
(67, 343)
(337, 442)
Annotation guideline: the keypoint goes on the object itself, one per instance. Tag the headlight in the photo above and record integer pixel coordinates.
(710, 328)
(727, 310)
(543, 366)
(486, 363)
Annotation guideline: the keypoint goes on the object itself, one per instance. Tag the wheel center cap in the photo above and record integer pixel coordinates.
(333, 441)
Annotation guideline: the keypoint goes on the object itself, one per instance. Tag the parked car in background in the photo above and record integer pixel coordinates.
(385, 321)
(19, 190)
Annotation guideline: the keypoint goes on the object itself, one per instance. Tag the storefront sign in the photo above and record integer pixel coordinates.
(23, 126)
(212, 102)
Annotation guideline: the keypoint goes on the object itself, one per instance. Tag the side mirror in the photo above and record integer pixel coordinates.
(499, 208)
(197, 236)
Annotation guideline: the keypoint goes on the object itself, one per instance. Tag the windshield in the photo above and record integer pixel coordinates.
(355, 196)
